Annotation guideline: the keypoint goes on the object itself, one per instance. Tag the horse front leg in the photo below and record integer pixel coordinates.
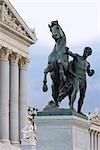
(48, 69)
(45, 87)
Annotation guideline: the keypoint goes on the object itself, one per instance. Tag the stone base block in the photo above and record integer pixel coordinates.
(8, 147)
(15, 143)
(62, 133)
(27, 144)
(4, 141)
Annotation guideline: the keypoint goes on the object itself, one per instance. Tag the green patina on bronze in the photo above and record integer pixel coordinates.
(61, 112)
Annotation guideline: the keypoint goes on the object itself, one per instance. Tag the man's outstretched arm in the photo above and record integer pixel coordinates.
(70, 53)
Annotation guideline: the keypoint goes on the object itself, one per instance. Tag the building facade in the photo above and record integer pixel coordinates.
(95, 132)
(15, 39)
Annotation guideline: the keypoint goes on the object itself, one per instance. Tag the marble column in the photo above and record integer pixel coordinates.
(23, 115)
(4, 94)
(96, 140)
(92, 140)
(14, 98)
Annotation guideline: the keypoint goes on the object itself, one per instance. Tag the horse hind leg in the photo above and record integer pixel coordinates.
(55, 94)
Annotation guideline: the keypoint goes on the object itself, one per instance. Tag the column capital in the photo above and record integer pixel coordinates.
(14, 57)
(23, 62)
(4, 53)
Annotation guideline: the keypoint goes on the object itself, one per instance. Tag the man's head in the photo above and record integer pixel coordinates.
(87, 52)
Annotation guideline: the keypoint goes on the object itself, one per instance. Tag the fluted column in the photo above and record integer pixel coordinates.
(96, 140)
(4, 94)
(14, 98)
(23, 93)
(92, 140)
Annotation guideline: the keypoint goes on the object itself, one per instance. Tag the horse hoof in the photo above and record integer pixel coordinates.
(45, 88)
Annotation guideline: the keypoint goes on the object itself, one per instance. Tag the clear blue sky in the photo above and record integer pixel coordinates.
(80, 20)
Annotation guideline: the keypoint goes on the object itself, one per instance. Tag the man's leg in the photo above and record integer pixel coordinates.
(74, 93)
(82, 96)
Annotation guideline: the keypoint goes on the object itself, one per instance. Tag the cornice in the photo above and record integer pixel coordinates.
(11, 30)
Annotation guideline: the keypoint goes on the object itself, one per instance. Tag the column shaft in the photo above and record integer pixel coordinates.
(96, 140)
(92, 140)
(14, 98)
(4, 95)
(23, 94)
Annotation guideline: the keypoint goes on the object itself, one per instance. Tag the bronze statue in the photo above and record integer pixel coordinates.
(67, 77)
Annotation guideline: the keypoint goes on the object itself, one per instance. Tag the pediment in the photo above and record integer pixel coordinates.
(10, 18)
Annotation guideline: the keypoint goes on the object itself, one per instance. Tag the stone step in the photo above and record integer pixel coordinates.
(8, 147)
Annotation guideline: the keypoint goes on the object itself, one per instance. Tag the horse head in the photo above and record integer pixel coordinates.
(56, 30)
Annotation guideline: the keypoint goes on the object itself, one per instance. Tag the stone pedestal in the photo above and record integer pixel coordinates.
(28, 144)
(62, 132)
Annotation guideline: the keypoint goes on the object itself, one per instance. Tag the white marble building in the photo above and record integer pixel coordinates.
(95, 132)
(15, 39)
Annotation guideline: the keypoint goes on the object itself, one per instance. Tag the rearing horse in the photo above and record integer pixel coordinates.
(57, 61)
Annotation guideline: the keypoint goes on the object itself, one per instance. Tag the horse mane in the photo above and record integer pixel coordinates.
(61, 32)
